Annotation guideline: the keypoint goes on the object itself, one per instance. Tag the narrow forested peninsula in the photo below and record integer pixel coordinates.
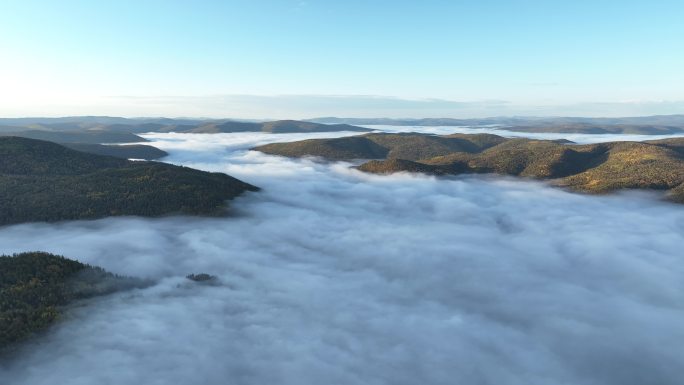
(44, 181)
(35, 287)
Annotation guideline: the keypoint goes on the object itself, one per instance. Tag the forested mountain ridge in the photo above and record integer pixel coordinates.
(273, 127)
(594, 168)
(43, 181)
(410, 146)
(70, 128)
(34, 288)
(642, 125)
(122, 130)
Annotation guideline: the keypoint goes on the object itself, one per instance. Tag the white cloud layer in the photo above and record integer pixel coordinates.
(333, 276)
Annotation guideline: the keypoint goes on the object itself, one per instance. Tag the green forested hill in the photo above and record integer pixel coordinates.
(43, 181)
(35, 286)
(596, 168)
(408, 146)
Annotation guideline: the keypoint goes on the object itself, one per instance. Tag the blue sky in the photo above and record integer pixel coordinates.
(309, 58)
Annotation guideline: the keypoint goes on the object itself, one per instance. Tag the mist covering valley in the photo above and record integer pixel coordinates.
(330, 275)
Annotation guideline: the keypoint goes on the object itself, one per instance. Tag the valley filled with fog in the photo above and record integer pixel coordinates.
(330, 275)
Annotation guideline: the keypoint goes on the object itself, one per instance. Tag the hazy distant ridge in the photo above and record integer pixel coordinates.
(648, 125)
(46, 127)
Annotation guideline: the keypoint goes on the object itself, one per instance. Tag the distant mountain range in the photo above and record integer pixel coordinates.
(647, 125)
(48, 128)
(672, 120)
(593, 168)
(275, 127)
(88, 133)
(108, 127)
(44, 181)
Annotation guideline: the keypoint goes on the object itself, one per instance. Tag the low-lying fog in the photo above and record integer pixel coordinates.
(331, 276)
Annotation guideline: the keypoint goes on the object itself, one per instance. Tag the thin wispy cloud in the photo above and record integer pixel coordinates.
(370, 106)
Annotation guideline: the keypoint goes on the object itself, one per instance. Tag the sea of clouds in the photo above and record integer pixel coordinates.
(332, 276)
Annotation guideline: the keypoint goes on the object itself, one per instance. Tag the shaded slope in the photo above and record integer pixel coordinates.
(43, 181)
(21, 156)
(355, 147)
(390, 166)
(131, 151)
(96, 137)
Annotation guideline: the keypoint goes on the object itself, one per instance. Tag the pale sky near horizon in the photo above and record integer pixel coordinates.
(301, 59)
